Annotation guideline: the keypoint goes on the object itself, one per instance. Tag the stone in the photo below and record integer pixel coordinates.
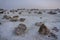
(35, 12)
(52, 12)
(22, 26)
(55, 29)
(0, 23)
(29, 12)
(39, 12)
(14, 18)
(13, 10)
(6, 17)
(43, 30)
(22, 19)
(20, 29)
(1, 11)
(40, 17)
(53, 35)
(7, 12)
(20, 12)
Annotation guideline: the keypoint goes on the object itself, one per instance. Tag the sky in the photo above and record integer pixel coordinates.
(41, 4)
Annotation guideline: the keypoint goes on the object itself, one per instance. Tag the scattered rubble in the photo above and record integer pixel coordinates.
(20, 29)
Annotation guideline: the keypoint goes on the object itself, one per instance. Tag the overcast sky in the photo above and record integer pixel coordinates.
(9, 4)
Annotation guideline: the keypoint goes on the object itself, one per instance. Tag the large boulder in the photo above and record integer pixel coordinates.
(20, 29)
(43, 30)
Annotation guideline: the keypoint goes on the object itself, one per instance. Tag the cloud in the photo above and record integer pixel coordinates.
(8, 4)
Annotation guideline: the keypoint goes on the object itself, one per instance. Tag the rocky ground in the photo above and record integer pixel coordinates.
(31, 18)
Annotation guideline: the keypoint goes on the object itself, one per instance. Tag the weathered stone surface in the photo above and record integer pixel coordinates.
(20, 29)
(22, 19)
(43, 30)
